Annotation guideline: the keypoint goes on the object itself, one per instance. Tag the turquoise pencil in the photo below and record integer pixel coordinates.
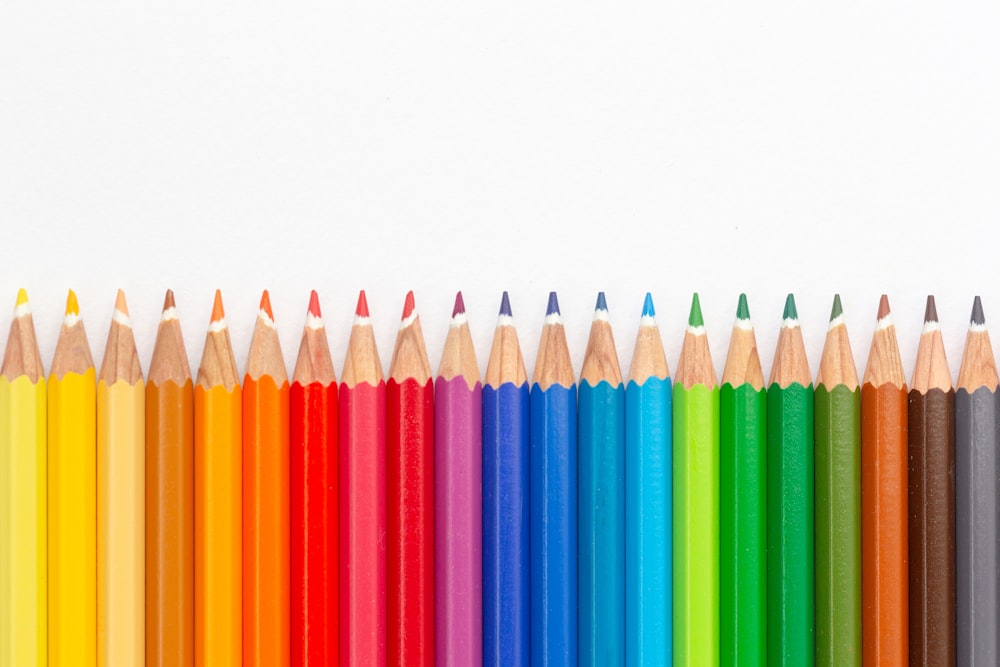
(601, 499)
(648, 507)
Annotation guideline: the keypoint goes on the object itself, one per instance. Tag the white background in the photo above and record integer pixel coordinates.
(759, 146)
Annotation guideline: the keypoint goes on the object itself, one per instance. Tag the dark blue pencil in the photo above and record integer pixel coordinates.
(506, 566)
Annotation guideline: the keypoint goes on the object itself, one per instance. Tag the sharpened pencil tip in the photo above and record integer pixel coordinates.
(930, 311)
(883, 307)
(790, 311)
(553, 307)
(72, 307)
(977, 312)
(837, 309)
(459, 305)
(695, 319)
(742, 308)
(22, 298)
(314, 304)
(409, 305)
(120, 304)
(218, 312)
(647, 306)
(505, 305)
(168, 300)
(265, 305)
(602, 302)
(361, 310)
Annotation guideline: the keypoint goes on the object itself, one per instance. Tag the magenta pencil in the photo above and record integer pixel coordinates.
(458, 541)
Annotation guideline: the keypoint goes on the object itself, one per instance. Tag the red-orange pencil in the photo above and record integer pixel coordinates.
(265, 498)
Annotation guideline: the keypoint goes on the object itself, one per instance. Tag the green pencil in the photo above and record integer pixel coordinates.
(743, 508)
(838, 501)
(696, 500)
(790, 513)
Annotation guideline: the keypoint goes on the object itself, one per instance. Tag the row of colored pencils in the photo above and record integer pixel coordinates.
(454, 521)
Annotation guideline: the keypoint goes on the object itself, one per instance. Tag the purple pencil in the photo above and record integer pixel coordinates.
(458, 517)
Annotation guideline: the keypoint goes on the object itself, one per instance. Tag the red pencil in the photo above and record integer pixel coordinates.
(362, 499)
(410, 428)
(313, 489)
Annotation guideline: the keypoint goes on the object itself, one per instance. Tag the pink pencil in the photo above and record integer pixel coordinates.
(458, 543)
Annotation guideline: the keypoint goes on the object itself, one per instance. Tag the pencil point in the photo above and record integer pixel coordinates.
(314, 304)
(695, 319)
(72, 307)
(742, 308)
(647, 306)
(459, 308)
(553, 307)
(120, 304)
(505, 305)
(790, 312)
(602, 303)
(930, 312)
(361, 310)
(409, 305)
(168, 301)
(218, 313)
(265, 305)
(837, 309)
(883, 307)
(977, 312)
(22, 298)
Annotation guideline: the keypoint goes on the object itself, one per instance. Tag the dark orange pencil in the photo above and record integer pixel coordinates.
(265, 498)
(884, 584)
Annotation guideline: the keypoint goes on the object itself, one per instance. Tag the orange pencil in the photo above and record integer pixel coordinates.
(169, 498)
(884, 546)
(218, 497)
(265, 498)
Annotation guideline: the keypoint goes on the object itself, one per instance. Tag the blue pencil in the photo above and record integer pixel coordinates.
(601, 515)
(553, 499)
(648, 506)
(506, 601)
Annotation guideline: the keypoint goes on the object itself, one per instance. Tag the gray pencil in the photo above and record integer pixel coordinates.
(977, 471)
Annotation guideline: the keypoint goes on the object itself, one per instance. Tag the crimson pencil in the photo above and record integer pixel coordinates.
(313, 490)
(362, 499)
(410, 505)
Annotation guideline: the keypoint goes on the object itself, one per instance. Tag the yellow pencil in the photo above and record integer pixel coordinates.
(121, 498)
(23, 604)
(72, 510)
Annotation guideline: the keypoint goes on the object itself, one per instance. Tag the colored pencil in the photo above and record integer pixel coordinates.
(23, 536)
(601, 514)
(410, 505)
(883, 499)
(696, 499)
(169, 498)
(790, 500)
(743, 499)
(121, 498)
(265, 498)
(553, 498)
(362, 498)
(838, 500)
(931, 501)
(458, 511)
(648, 552)
(313, 484)
(506, 563)
(218, 500)
(72, 506)
(977, 470)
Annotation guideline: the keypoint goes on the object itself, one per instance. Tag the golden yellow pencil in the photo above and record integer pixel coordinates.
(218, 501)
(72, 492)
(121, 498)
(23, 602)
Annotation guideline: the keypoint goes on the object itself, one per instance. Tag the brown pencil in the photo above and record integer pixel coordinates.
(884, 633)
(169, 498)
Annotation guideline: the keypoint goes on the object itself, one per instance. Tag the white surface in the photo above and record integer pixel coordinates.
(767, 147)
